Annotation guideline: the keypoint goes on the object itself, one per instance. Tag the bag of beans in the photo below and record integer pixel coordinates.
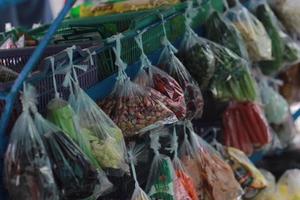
(172, 65)
(27, 169)
(153, 77)
(105, 138)
(135, 109)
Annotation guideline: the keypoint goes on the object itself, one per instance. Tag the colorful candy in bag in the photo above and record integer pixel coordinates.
(270, 192)
(161, 179)
(138, 193)
(184, 185)
(221, 30)
(105, 138)
(153, 77)
(135, 109)
(258, 43)
(217, 178)
(27, 168)
(245, 127)
(172, 65)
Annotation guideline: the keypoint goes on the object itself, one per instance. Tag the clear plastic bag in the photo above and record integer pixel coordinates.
(134, 108)
(69, 163)
(133, 154)
(288, 12)
(289, 185)
(258, 43)
(217, 177)
(197, 57)
(220, 30)
(275, 106)
(184, 185)
(245, 127)
(270, 192)
(153, 77)
(172, 65)
(27, 168)
(105, 138)
(161, 179)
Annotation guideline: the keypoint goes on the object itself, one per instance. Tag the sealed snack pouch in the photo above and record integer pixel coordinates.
(172, 65)
(184, 185)
(197, 57)
(249, 177)
(275, 106)
(104, 137)
(258, 42)
(245, 127)
(153, 77)
(289, 185)
(222, 31)
(27, 168)
(217, 178)
(135, 109)
(139, 193)
(69, 163)
(161, 179)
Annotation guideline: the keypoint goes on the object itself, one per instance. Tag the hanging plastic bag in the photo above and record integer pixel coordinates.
(245, 127)
(270, 192)
(153, 77)
(133, 154)
(258, 43)
(184, 185)
(218, 181)
(105, 138)
(161, 179)
(27, 168)
(134, 108)
(289, 185)
(275, 106)
(197, 57)
(288, 12)
(222, 31)
(172, 65)
(69, 164)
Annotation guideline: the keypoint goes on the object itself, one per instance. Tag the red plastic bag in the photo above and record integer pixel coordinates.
(245, 127)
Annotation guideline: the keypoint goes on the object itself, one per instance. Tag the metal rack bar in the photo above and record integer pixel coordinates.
(10, 97)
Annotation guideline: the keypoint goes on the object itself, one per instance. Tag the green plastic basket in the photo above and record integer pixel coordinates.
(175, 29)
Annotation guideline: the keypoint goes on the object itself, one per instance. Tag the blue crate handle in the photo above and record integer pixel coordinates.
(10, 97)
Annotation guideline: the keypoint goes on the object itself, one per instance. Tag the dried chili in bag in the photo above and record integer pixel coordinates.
(153, 77)
(258, 42)
(27, 168)
(161, 179)
(222, 31)
(245, 127)
(105, 138)
(184, 185)
(135, 109)
(133, 154)
(217, 178)
(172, 65)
